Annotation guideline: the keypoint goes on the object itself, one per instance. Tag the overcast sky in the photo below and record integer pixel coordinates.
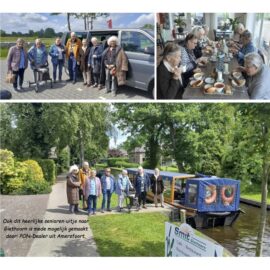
(23, 22)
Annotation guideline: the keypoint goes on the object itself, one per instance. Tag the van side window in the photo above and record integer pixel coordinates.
(80, 35)
(135, 41)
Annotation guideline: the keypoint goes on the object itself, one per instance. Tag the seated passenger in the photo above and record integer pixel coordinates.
(169, 81)
(258, 77)
(248, 47)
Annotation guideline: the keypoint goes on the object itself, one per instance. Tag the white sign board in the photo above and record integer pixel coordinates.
(184, 241)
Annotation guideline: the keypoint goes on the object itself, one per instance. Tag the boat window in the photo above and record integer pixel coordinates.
(227, 194)
(192, 193)
(168, 188)
(179, 191)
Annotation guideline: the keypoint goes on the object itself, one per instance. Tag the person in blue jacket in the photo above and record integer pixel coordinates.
(38, 56)
(57, 52)
(142, 186)
(123, 185)
(94, 61)
(107, 186)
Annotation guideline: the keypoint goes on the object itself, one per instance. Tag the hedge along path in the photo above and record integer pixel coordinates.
(62, 233)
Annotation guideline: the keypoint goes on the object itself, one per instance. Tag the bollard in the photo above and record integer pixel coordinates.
(183, 215)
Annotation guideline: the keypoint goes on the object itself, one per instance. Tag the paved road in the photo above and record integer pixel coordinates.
(20, 207)
(57, 209)
(67, 91)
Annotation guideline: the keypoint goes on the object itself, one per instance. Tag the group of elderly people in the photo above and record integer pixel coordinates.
(179, 62)
(84, 183)
(102, 64)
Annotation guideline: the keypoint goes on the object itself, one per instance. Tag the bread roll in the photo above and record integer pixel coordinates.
(211, 90)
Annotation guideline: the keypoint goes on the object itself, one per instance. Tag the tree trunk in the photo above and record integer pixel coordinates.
(266, 168)
(85, 23)
(81, 148)
(68, 22)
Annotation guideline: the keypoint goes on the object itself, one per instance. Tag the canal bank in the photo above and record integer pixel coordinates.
(253, 203)
(240, 239)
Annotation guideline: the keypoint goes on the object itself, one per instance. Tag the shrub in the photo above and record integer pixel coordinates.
(48, 168)
(63, 161)
(124, 164)
(33, 187)
(112, 161)
(34, 171)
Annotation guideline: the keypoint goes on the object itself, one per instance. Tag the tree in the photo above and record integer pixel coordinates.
(49, 32)
(89, 18)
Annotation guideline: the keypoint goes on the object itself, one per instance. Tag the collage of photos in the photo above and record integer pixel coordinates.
(135, 135)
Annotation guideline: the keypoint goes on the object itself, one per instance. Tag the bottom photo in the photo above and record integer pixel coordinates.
(135, 179)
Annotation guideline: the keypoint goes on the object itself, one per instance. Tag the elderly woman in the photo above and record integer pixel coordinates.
(199, 33)
(189, 59)
(142, 185)
(258, 77)
(72, 54)
(248, 47)
(94, 61)
(38, 57)
(169, 81)
(205, 39)
(157, 187)
(92, 191)
(83, 59)
(17, 62)
(73, 185)
(57, 52)
(83, 175)
(123, 186)
(238, 31)
(116, 65)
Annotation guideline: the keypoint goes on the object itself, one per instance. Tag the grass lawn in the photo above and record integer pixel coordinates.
(136, 234)
(254, 196)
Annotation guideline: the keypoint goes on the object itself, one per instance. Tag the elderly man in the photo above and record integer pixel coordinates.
(38, 57)
(258, 79)
(83, 174)
(107, 186)
(142, 185)
(17, 62)
(72, 53)
(248, 47)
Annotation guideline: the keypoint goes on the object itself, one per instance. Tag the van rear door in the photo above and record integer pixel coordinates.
(139, 47)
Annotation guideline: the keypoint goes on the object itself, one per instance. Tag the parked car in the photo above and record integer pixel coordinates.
(138, 44)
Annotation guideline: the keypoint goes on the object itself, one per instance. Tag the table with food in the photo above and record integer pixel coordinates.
(217, 76)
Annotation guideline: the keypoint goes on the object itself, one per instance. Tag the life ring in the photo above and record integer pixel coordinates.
(227, 198)
(210, 198)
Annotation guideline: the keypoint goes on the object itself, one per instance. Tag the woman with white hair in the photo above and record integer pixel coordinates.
(123, 186)
(157, 187)
(116, 65)
(94, 61)
(17, 62)
(73, 185)
(198, 32)
(258, 76)
(92, 191)
(142, 185)
(169, 74)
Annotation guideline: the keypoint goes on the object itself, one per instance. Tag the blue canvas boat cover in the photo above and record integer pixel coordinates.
(212, 194)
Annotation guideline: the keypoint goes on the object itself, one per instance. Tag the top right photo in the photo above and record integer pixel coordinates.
(213, 56)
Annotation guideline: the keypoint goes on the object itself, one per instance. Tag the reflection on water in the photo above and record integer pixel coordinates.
(240, 239)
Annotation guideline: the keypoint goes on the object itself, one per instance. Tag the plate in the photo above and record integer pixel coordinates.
(209, 80)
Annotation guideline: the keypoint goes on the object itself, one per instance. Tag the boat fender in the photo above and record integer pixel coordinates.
(227, 200)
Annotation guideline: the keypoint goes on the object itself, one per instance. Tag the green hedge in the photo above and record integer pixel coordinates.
(49, 169)
(112, 161)
(124, 164)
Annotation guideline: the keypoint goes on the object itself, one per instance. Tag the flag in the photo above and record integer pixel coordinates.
(109, 23)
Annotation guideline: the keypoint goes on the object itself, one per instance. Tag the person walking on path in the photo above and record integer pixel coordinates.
(142, 185)
(123, 186)
(17, 62)
(73, 185)
(84, 173)
(92, 191)
(57, 52)
(157, 187)
(72, 54)
(107, 185)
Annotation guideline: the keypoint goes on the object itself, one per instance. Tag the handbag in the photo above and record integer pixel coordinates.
(10, 78)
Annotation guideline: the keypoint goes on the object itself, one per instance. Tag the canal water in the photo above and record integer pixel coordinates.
(240, 239)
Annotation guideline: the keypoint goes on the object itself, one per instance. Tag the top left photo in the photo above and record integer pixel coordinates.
(77, 56)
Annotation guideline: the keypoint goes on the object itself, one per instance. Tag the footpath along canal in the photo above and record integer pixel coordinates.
(240, 239)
